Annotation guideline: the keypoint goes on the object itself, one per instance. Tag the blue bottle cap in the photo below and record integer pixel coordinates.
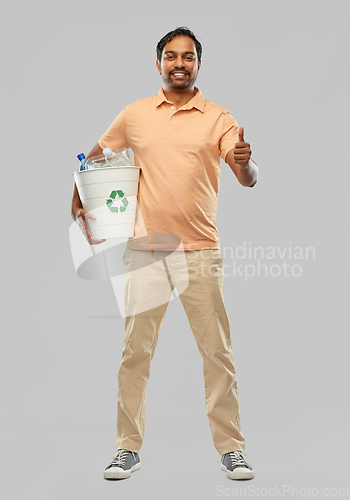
(81, 156)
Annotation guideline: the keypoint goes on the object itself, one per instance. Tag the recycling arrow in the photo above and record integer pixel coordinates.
(117, 194)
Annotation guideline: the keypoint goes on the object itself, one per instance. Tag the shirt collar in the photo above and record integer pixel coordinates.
(197, 100)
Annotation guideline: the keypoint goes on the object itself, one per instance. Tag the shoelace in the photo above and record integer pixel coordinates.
(237, 459)
(120, 457)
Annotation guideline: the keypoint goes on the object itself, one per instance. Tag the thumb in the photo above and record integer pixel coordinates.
(81, 213)
(240, 134)
(89, 215)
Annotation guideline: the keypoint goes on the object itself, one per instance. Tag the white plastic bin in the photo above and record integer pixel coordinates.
(110, 193)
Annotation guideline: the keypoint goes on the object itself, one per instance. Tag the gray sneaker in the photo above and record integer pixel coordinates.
(236, 467)
(123, 464)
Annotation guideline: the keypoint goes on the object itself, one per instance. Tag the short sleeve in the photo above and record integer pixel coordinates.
(229, 134)
(116, 135)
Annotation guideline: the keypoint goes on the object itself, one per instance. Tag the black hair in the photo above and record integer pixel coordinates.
(184, 31)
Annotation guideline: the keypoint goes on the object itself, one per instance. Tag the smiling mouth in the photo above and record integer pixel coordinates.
(179, 74)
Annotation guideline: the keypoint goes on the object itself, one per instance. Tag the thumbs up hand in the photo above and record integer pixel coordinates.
(241, 151)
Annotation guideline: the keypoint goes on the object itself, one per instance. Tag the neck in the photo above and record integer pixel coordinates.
(179, 97)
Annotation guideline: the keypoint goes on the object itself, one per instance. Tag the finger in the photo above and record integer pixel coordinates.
(240, 134)
(242, 145)
(83, 224)
(241, 148)
(87, 229)
(81, 213)
(95, 241)
(241, 161)
(241, 156)
(238, 155)
(81, 216)
(89, 215)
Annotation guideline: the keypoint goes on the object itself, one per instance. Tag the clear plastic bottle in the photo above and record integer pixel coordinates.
(108, 153)
(117, 158)
(84, 163)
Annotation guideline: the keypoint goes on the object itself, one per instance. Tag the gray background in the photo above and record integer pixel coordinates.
(281, 69)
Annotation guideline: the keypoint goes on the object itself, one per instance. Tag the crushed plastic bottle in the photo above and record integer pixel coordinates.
(117, 158)
(107, 154)
(112, 158)
(84, 163)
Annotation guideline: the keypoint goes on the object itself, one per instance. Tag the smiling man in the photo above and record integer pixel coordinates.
(178, 138)
(179, 66)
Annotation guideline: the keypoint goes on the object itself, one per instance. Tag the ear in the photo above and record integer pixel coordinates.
(158, 65)
(199, 64)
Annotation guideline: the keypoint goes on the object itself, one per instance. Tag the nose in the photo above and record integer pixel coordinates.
(179, 62)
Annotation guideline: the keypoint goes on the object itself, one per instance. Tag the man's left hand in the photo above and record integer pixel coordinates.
(241, 151)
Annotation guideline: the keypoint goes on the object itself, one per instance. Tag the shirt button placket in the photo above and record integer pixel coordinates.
(173, 116)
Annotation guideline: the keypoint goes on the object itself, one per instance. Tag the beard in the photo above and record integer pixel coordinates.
(178, 84)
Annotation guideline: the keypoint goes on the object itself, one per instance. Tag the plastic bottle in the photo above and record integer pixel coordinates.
(117, 158)
(108, 154)
(84, 163)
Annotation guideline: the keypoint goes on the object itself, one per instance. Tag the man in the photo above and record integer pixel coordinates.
(178, 137)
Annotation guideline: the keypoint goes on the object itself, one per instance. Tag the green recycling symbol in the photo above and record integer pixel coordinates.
(119, 194)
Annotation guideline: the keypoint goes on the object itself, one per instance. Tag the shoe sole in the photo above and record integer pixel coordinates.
(118, 473)
(238, 473)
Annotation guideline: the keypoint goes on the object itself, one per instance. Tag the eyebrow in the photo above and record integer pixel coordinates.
(173, 52)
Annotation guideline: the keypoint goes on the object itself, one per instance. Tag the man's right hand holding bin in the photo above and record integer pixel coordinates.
(78, 213)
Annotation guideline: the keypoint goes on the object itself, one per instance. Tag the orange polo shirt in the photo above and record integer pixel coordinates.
(179, 153)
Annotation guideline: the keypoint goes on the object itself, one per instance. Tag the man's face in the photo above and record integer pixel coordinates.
(179, 65)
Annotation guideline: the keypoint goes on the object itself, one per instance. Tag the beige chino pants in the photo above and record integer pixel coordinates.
(203, 302)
